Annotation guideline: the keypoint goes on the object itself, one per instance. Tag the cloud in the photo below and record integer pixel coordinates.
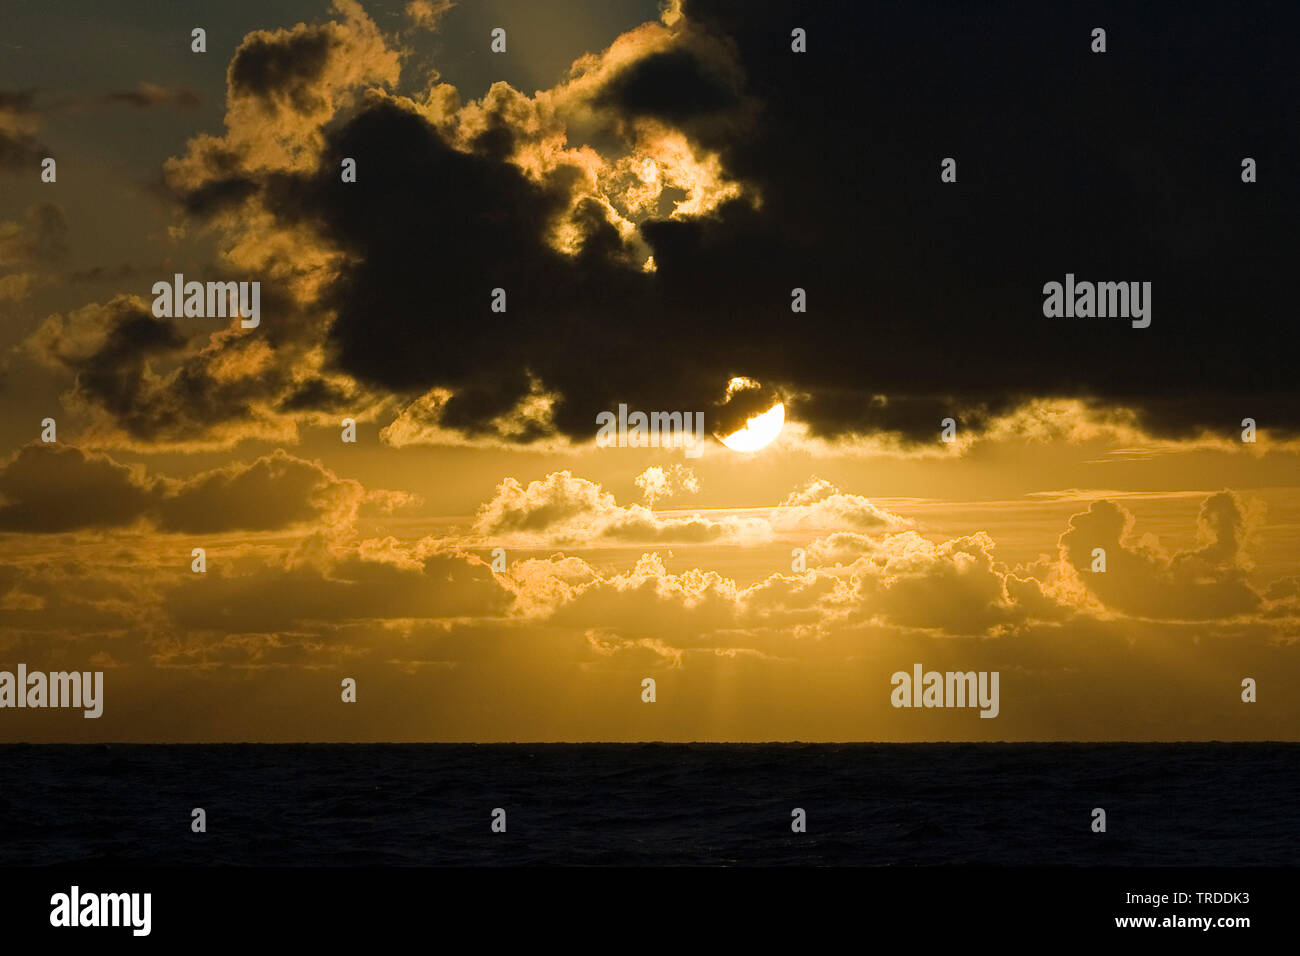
(1143, 580)
(143, 382)
(820, 505)
(425, 14)
(906, 584)
(56, 488)
(17, 286)
(563, 509)
(283, 86)
(904, 581)
(53, 489)
(270, 184)
(678, 185)
(148, 95)
(657, 482)
(956, 587)
(356, 586)
(391, 610)
(42, 239)
(19, 147)
(29, 249)
(895, 578)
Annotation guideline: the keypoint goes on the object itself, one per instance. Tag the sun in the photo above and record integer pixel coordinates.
(759, 432)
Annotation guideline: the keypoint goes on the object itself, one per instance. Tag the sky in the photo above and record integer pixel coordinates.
(648, 184)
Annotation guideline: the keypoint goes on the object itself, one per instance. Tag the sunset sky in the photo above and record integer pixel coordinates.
(648, 183)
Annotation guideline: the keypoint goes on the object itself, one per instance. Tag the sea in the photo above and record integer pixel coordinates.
(653, 804)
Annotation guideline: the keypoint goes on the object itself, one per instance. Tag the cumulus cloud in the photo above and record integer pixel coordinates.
(564, 509)
(1144, 580)
(376, 606)
(892, 578)
(956, 587)
(821, 505)
(905, 583)
(878, 582)
(657, 482)
(902, 580)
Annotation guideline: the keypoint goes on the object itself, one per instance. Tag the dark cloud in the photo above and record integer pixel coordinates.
(1117, 166)
(19, 148)
(283, 66)
(316, 393)
(57, 488)
(352, 589)
(17, 101)
(742, 404)
(54, 488)
(149, 95)
(117, 376)
(460, 225)
(924, 298)
(125, 364)
(676, 86)
(275, 491)
(155, 386)
(219, 195)
(926, 293)
(42, 239)
(465, 223)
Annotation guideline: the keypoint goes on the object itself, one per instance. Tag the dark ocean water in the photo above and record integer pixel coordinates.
(636, 804)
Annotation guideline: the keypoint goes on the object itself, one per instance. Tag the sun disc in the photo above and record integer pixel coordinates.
(759, 431)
